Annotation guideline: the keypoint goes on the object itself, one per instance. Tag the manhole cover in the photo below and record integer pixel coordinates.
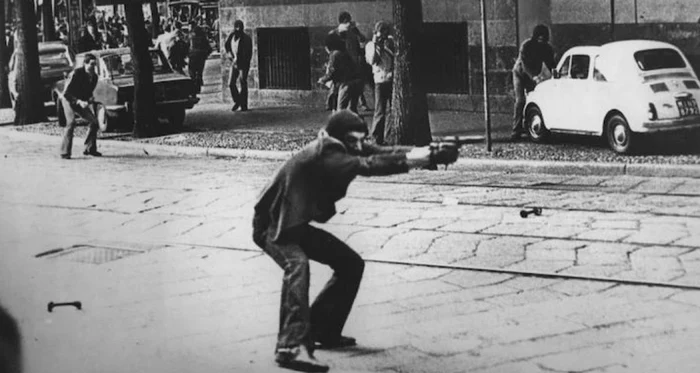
(88, 254)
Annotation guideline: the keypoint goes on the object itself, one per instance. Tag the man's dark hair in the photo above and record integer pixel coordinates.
(344, 17)
(334, 42)
(238, 24)
(344, 121)
(540, 31)
(89, 57)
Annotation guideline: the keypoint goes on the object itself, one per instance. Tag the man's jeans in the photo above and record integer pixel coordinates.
(72, 113)
(239, 78)
(522, 83)
(382, 98)
(349, 94)
(325, 319)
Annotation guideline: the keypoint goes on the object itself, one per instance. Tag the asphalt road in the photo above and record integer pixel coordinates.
(158, 250)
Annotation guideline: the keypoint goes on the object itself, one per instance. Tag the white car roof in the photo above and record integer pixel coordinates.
(616, 59)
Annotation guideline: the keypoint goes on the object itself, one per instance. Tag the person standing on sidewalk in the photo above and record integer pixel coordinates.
(536, 59)
(379, 53)
(239, 47)
(343, 72)
(305, 189)
(198, 53)
(77, 101)
(354, 40)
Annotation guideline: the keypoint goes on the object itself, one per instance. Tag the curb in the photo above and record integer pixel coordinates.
(463, 164)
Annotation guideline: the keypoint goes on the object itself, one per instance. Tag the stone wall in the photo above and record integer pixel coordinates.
(510, 22)
(321, 16)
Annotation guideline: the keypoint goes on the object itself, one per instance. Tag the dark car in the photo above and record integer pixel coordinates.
(55, 60)
(114, 93)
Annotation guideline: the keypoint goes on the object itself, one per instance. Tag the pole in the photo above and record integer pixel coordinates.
(612, 20)
(484, 64)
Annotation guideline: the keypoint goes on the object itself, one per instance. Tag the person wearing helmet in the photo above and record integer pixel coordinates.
(304, 190)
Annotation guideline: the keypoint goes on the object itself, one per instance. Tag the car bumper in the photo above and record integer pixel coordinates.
(188, 103)
(671, 124)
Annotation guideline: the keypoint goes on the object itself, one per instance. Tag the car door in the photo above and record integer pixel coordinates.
(551, 101)
(573, 91)
(105, 92)
(595, 100)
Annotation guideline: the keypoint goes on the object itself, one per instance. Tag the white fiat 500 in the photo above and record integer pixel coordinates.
(619, 90)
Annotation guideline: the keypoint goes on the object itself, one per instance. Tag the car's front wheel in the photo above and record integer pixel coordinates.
(176, 118)
(620, 138)
(536, 129)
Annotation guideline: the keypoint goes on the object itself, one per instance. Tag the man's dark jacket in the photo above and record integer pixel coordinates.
(533, 54)
(244, 53)
(307, 186)
(80, 86)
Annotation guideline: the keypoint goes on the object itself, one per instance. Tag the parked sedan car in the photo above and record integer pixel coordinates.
(114, 93)
(55, 60)
(621, 90)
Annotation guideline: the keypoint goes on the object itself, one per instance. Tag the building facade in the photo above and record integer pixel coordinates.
(289, 55)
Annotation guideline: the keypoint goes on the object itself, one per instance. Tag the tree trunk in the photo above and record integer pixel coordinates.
(48, 28)
(144, 105)
(155, 19)
(4, 59)
(29, 105)
(408, 122)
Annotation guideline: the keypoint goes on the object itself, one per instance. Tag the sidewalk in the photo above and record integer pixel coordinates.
(276, 132)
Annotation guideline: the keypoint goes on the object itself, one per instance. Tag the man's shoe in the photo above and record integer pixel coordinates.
(244, 108)
(65, 156)
(93, 153)
(235, 107)
(339, 342)
(299, 359)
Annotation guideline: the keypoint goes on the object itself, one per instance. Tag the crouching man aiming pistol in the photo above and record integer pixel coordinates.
(305, 189)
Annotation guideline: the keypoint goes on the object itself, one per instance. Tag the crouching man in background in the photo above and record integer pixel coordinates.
(303, 190)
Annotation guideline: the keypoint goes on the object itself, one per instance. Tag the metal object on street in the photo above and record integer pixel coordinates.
(75, 304)
(535, 210)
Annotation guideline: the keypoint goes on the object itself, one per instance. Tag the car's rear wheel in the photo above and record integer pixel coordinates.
(536, 128)
(620, 138)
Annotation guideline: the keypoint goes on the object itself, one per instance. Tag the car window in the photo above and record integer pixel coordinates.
(54, 59)
(564, 69)
(597, 74)
(119, 65)
(580, 65)
(661, 58)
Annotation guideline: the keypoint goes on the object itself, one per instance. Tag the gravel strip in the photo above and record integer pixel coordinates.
(674, 151)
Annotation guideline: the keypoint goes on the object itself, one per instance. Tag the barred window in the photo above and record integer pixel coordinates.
(283, 58)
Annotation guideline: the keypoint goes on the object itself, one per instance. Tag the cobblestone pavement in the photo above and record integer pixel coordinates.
(158, 250)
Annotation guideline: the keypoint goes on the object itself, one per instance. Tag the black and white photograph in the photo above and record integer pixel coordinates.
(389, 186)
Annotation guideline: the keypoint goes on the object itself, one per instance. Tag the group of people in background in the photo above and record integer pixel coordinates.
(355, 61)
(182, 49)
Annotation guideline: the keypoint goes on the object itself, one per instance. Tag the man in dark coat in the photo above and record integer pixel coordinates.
(199, 51)
(90, 38)
(343, 72)
(76, 102)
(303, 190)
(239, 47)
(536, 54)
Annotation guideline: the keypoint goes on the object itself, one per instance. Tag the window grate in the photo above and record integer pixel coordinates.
(283, 58)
